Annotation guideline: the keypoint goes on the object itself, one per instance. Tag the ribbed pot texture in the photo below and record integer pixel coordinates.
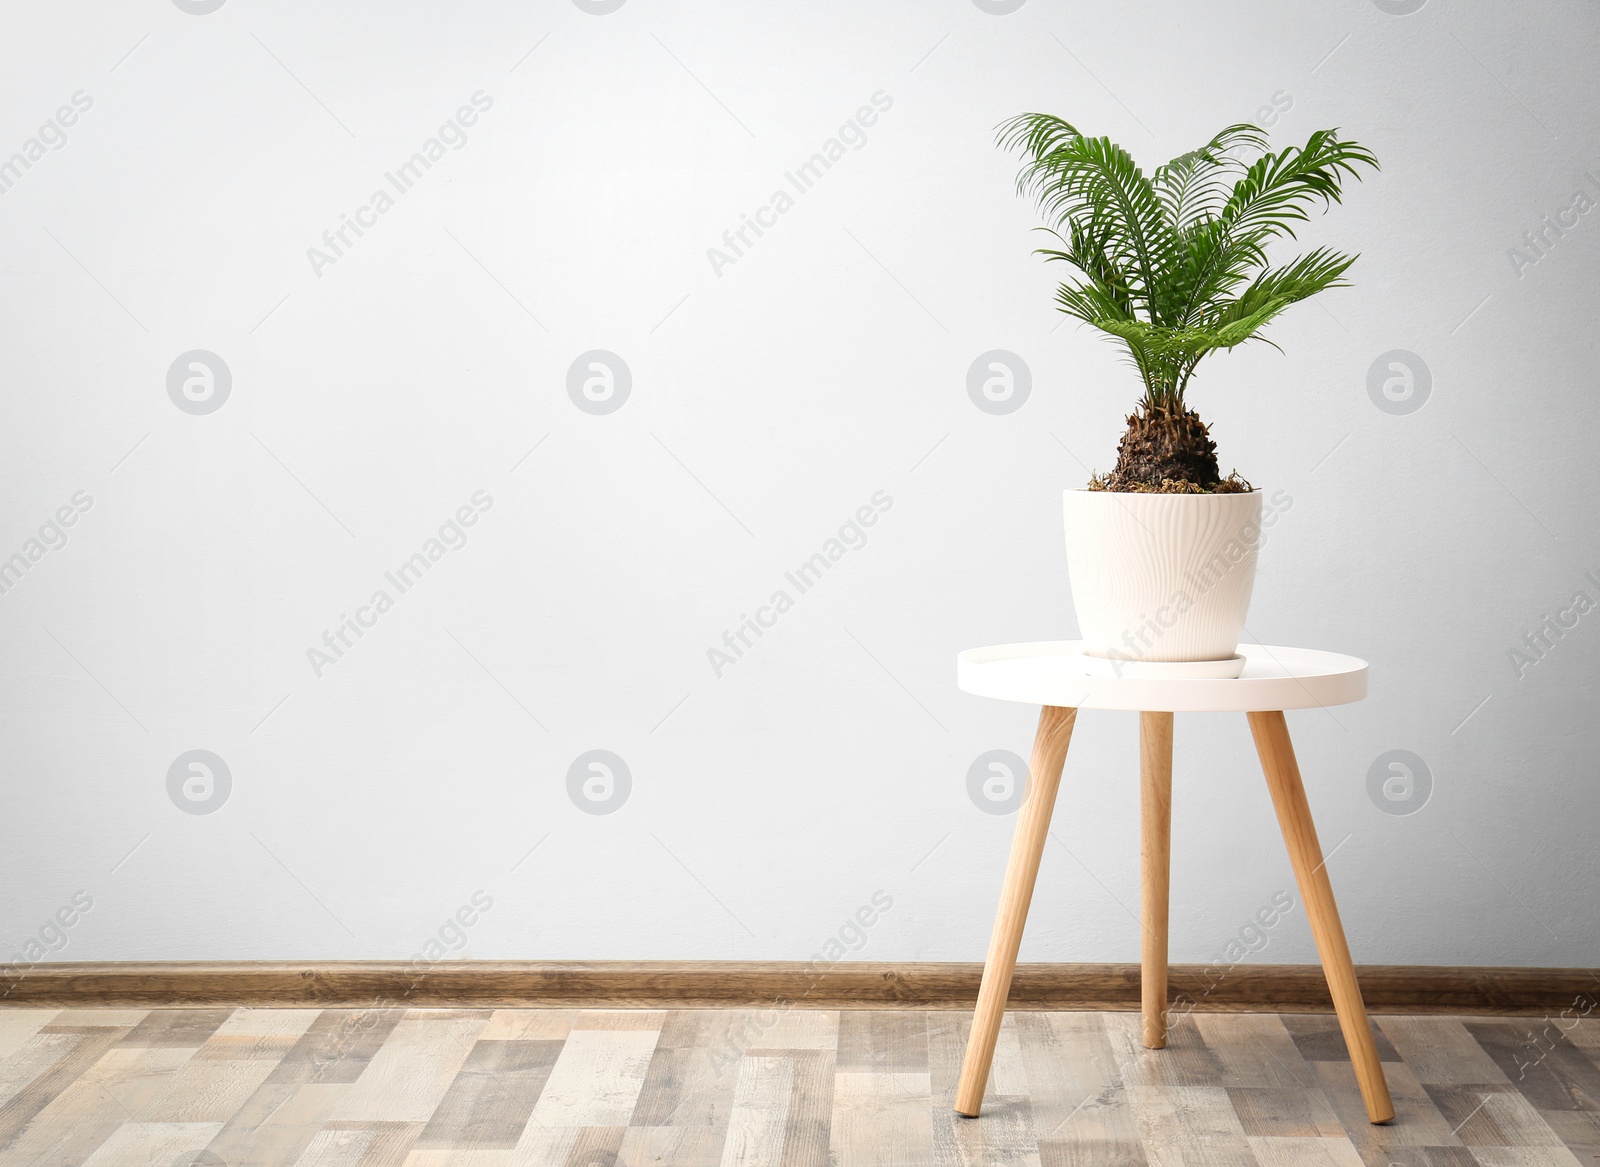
(1161, 577)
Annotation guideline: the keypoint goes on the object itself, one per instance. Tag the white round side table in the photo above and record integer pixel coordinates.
(1055, 676)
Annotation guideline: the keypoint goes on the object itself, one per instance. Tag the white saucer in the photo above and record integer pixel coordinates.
(1101, 666)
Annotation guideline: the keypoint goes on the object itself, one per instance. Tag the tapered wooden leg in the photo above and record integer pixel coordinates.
(1155, 850)
(1027, 847)
(1305, 852)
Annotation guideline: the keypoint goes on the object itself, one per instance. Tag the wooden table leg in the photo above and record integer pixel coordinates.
(1027, 847)
(1311, 873)
(1155, 850)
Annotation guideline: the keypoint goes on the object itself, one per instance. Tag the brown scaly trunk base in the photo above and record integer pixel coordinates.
(1168, 451)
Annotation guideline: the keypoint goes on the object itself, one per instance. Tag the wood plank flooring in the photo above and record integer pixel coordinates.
(777, 1088)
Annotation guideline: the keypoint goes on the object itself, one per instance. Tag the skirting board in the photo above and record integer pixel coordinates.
(1279, 988)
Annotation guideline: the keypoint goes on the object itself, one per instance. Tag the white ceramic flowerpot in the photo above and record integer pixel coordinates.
(1161, 577)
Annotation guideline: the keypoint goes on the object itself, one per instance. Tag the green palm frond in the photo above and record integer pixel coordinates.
(1174, 266)
(1092, 188)
(1277, 191)
(1280, 287)
(1194, 185)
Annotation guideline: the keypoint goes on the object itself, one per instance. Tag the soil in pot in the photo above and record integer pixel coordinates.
(1168, 450)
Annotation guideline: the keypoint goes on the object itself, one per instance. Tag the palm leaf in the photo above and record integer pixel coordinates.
(1092, 187)
(1279, 189)
(1175, 265)
(1191, 185)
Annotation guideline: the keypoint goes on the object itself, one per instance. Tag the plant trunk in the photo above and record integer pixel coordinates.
(1166, 448)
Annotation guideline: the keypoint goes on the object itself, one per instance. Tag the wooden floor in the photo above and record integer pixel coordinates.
(426, 1088)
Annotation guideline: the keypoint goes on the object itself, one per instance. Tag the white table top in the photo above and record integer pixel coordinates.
(1051, 672)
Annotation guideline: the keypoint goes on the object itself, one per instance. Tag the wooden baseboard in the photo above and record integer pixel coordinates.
(1283, 988)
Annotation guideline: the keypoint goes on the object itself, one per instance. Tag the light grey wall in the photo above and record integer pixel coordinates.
(771, 398)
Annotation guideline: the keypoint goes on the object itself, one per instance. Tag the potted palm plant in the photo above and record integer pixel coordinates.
(1173, 267)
